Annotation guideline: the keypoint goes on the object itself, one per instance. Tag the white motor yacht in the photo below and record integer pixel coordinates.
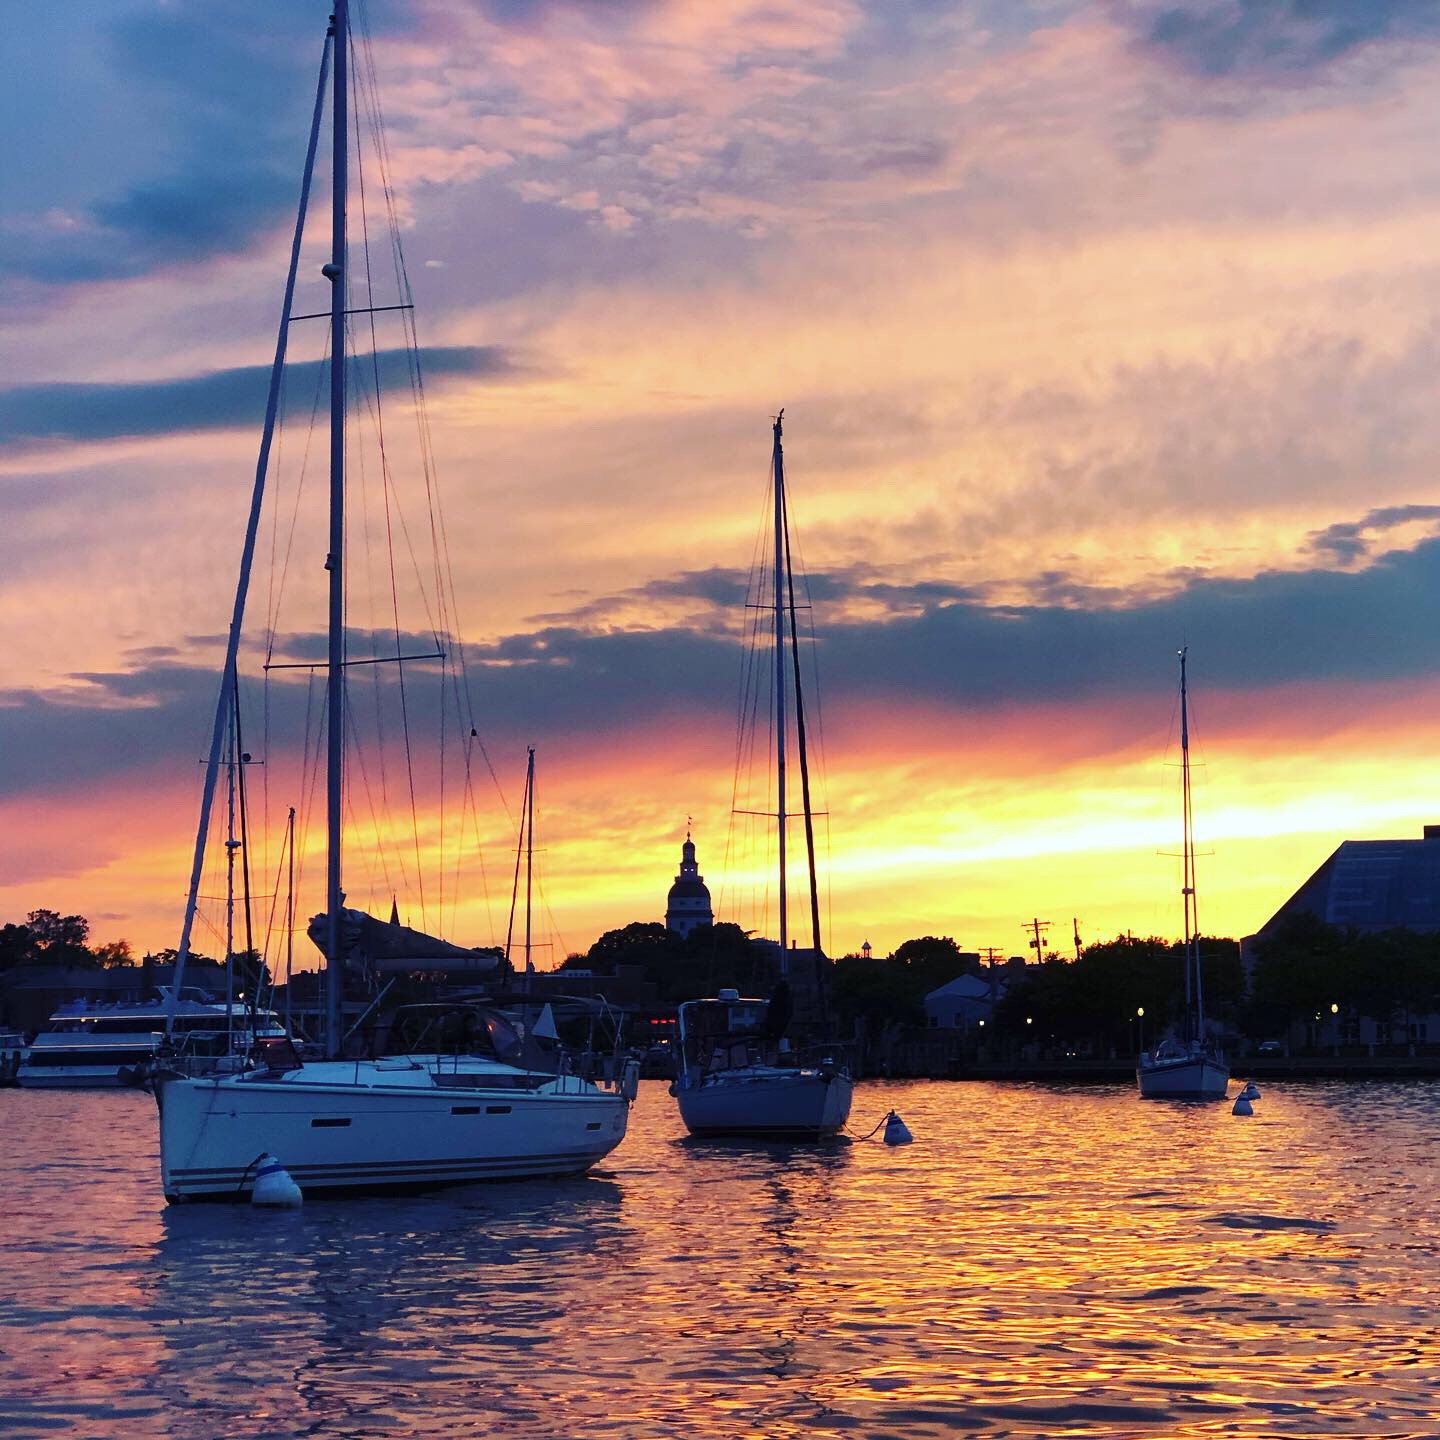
(93, 1046)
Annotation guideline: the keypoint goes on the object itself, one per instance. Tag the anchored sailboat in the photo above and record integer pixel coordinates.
(1190, 1066)
(737, 1073)
(488, 1103)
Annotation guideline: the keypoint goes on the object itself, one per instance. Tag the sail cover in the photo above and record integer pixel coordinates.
(389, 948)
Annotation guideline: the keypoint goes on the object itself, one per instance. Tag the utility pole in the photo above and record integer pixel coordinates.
(1038, 927)
(1075, 924)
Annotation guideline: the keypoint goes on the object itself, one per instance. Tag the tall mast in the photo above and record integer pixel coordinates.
(335, 560)
(780, 746)
(1187, 864)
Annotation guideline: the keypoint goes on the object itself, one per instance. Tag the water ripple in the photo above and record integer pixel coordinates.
(1040, 1262)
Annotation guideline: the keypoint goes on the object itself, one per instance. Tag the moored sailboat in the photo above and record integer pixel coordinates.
(494, 1103)
(737, 1073)
(1189, 1066)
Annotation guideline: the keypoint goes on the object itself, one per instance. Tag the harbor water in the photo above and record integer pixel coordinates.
(1040, 1262)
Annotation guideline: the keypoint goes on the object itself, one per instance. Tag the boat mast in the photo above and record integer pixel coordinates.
(1193, 1001)
(779, 468)
(335, 559)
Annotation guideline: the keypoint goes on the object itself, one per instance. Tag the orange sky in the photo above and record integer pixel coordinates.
(1094, 337)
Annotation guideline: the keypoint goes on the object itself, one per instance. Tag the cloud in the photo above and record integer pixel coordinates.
(1273, 629)
(1278, 39)
(1350, 541)
(232, 98)
(223, 399)
(1341, 628)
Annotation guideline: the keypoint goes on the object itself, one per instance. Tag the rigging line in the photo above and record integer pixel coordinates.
(387, 486)
(819, 706)
(310, 799)
(321, 378)
(382, 749)
(818, 714)
(244, 841)
(447, 604)
(281, 413)
(310, 768)
(274, 897)
(248, 549)
(748, 626)
(800, 741)
(380, 843)
(519, 852)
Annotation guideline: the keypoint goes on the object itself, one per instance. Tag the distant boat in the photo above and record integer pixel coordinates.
(483, 1097)
(87, 1046)
(1189, 1066)
(737, 1074)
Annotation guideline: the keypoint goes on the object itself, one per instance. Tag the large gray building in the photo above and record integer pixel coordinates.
(1370, 885)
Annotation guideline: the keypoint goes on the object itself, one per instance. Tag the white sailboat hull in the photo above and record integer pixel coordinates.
(1189, 1077)
(767, 1102)
(376, 1135)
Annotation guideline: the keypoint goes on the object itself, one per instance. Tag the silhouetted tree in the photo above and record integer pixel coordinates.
(114, 953)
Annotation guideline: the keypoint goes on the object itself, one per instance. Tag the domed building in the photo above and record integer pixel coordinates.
(688, 904)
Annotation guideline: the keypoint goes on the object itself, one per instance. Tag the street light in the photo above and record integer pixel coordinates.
(1140, 1016)
(1335, 1012)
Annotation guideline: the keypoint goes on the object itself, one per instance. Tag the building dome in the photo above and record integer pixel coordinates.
(688, 903)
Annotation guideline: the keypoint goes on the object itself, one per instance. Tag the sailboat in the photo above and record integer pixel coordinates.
(495, 1103)
(1191, 1065)
(737, 1074)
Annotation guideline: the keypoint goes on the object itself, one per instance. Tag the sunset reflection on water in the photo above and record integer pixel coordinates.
(1040, 1262)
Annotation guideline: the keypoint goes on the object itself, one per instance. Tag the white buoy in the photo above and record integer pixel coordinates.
(896, 1131)
(1241, 1106)
(1250, 1092)
(273, 1185)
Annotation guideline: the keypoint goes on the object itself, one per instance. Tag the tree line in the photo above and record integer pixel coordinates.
(1297, 973)
(45, 937)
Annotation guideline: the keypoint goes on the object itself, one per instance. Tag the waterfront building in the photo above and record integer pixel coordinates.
(688, 904)
(962, 1003)
(1372, 885)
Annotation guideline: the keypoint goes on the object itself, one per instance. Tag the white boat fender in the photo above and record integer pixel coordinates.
(630, 1080)
(1242, 1106)
(1249, 1092)
(896, 1131)
(273, 1185)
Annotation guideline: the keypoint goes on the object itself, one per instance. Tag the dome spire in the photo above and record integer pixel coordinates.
(688, 903)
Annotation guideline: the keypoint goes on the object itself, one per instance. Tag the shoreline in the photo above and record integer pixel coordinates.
(1299, 1067)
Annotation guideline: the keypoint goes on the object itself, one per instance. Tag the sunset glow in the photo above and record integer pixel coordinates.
(1095, 337)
